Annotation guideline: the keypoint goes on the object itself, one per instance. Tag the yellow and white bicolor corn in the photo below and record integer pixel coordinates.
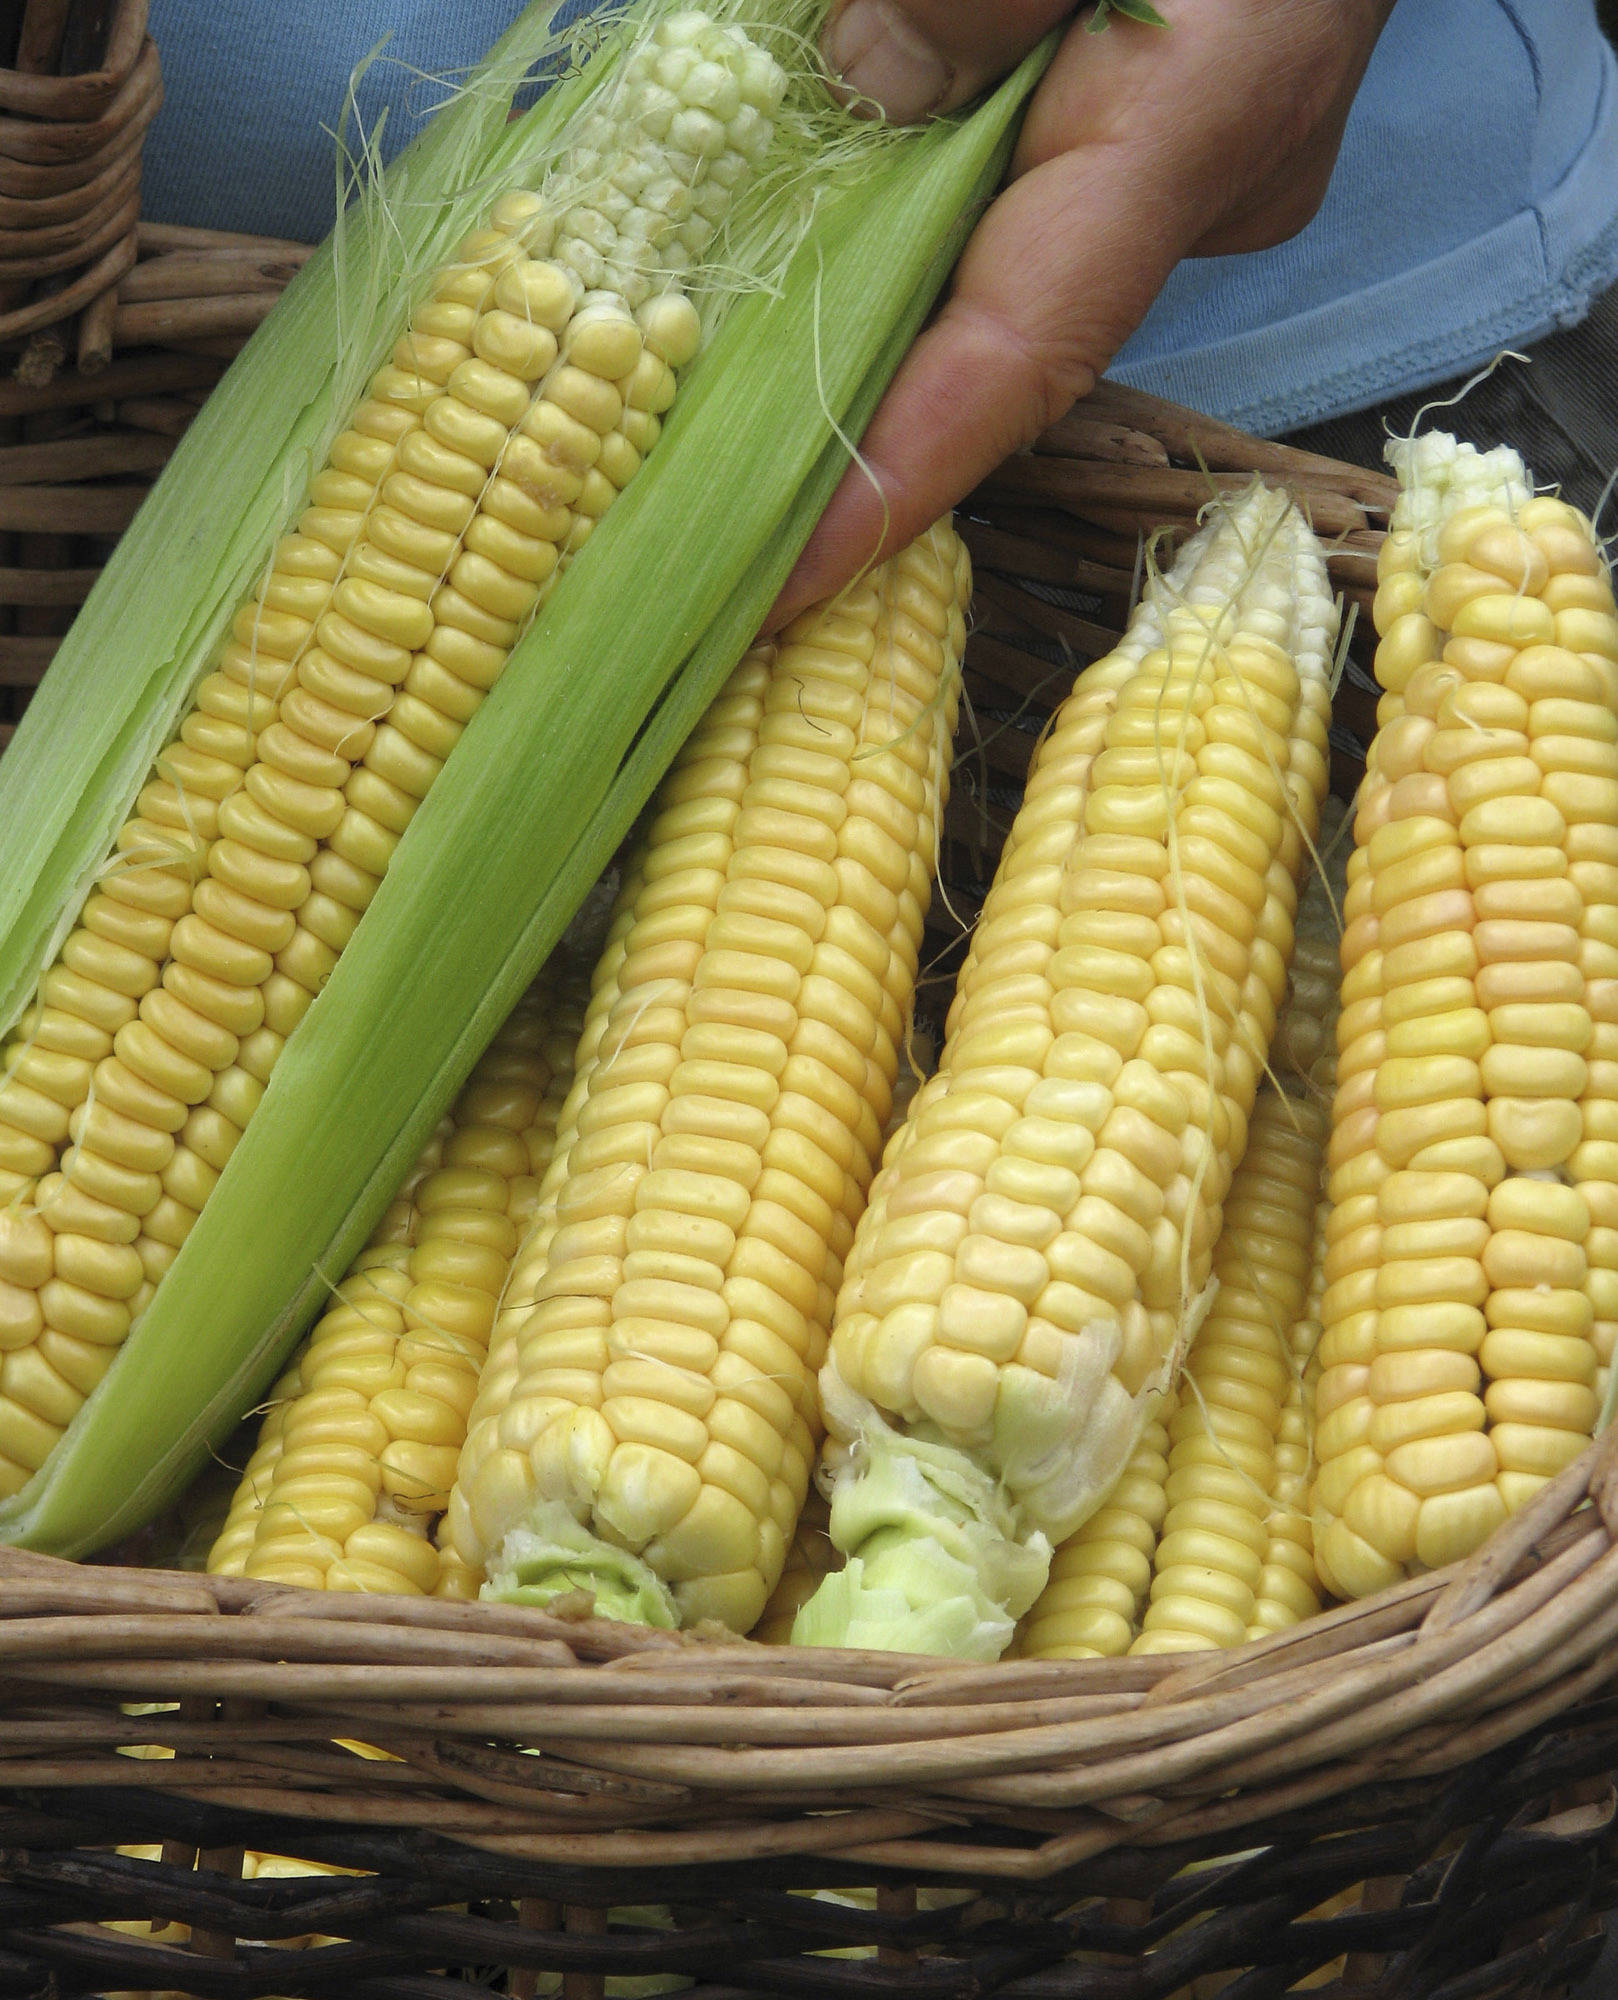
(254, 862)
(1472, 1263)
(358, 1447)
(647, 1423)
(517, 403)
(1209, 1525)
(1031, 1266)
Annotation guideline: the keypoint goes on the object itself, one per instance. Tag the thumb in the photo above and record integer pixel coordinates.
(915, 58)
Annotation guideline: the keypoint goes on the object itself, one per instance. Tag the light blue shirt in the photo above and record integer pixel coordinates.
(1474, 204)
(1474, 207)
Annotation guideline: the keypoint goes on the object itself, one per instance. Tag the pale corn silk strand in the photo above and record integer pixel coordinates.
(647, 1421)
(359, 1442)
(1037, 1247)
(1472, 1262)
(529, 384)
(1237, 1557)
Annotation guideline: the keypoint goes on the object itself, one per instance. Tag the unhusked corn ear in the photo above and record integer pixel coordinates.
(1472, 1270)
(1027, 1273)
(648, 1428)
(810, 1556)
(358, 1447)
(1225, 1430)
(517, 403)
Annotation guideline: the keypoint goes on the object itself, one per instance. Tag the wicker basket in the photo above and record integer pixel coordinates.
(73, 112)
(80, 444)
(82, 280)
(1410, 1796)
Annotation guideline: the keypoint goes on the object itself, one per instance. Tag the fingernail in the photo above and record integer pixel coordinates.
(879, 53)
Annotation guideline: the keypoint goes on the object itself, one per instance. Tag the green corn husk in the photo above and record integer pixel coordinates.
(593, 705)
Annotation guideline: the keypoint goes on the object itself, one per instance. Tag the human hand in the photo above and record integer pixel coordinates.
(1141, 146)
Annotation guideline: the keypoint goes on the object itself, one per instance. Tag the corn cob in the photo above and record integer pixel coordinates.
(668, 593)
(443, 515)
(1473, 1264)
(1025, 1277)
(647, 1429)
(1288, 1589)
(358, 1448)
(1225, 1431)
(1101, 1577)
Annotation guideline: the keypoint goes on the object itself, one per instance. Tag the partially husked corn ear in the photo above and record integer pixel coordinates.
(810, 1556)
(1225, 1432)
(1026, 1276)
(359, 1444)
(1472, 1292)
(647, 1430)
(518, 402)
(808, 307)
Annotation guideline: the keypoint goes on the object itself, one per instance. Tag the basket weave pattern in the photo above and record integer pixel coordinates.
(73, 113)
(1436, 1759)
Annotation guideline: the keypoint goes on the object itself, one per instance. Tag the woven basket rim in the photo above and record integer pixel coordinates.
(86, 96)
(663, 1748)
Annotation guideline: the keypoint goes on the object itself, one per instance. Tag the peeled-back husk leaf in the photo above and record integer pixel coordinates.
(548, 778)
(118, 684)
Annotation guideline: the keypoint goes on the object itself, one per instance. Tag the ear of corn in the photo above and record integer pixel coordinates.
(358, 1448)
(1289, 1588)
(1030, 1267)
(1237, 1537)
(1472, 1266)
(1225, 1432)
(559, 759)
(647, 1424)
(450, 506)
